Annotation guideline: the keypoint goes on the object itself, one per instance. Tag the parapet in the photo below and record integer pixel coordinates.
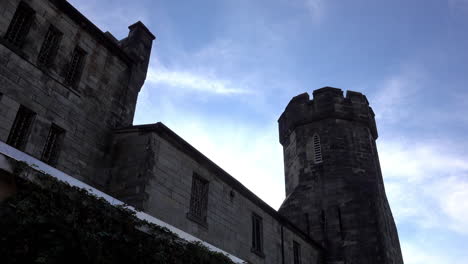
(327, 102)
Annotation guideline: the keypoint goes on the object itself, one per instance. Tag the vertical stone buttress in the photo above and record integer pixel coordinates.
(137, 45)
(334, 185)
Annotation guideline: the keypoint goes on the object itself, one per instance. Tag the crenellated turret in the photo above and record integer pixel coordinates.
(327, 102)
(334, 186)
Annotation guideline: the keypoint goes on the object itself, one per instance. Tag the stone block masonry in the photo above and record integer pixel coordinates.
(335, 212)
(163, 164)
(103, 98)
(340, 199)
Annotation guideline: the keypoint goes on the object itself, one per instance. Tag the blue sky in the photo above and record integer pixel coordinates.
(222, 71)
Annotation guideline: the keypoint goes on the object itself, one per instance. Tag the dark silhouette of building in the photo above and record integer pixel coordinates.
(68, 93)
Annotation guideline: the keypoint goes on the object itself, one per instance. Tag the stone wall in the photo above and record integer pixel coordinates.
(154, 170)
(341, 200)
(103, 99)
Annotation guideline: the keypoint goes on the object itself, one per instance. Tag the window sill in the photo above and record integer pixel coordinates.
(197, 220)
(257, 252)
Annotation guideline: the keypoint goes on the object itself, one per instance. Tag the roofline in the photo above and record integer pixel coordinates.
(143, 26)
(185, 147)
(92, 29)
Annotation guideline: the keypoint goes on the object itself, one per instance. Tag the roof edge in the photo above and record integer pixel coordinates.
(91, 28)
(185, 147)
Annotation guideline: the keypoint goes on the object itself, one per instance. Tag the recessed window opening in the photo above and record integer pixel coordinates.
(257, 233)
(317, 149)
(20, 130)
(53, 145)
(75, 67)
(297, 252)
(49, 46)
(199, 198)
(20, 24)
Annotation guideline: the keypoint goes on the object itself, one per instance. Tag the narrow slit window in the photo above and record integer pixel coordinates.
(317, 149)
(340, 221)
(20, 130)
(53, 145)
(75, 67)
(199, 199)
(297, 252)
(49, 46)
(257, 234)
(19, 25)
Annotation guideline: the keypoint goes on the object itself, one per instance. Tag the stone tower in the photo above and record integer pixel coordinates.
(334, 185)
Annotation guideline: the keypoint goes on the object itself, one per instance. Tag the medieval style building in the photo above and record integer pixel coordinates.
(68, 93)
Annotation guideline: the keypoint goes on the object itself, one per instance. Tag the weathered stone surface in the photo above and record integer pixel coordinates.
(341, 201)
(103, 100)
(162, 165)
(151, 168)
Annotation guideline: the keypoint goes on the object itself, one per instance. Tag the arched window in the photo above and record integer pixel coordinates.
(317, 149)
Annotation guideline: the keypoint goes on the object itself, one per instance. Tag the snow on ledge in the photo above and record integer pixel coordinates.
(15, 154)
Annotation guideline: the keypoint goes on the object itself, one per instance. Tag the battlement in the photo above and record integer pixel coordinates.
(327, 102)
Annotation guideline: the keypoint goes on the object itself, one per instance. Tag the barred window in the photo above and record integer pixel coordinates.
(75, 67)
(317, 149)
(53, 145)
(20, 24)
(199, 199)
(49, 46)
(20, 130)
(297, 252)
(257, 234)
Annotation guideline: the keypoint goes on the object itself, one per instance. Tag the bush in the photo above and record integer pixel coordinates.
(48, 221)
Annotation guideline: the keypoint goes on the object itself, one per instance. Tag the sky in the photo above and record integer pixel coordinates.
(222, 72)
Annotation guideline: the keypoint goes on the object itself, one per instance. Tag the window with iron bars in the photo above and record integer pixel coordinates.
(297, 252)
(20, 25)
(257, 235)
(199, 200)
(317, 149)
(21, 126)
(75, 67)
(49, 46)
(53, 144)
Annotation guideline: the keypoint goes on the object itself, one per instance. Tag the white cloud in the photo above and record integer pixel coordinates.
(427, 184)
(397, 93)
(191, 81)
(419, 254)
(453, 196)
(416, 162)
(249, 152)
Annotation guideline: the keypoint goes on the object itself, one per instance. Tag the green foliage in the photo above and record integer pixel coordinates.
(48, 221)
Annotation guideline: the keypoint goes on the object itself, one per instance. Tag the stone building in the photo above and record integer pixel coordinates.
(68, 93)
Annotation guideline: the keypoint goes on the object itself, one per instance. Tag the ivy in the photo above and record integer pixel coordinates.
(49, 221)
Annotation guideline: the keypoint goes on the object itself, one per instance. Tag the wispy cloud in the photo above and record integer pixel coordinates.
(316, 9)
(421, 254)
(190, 81)
(248, 151)
(396, 93)
(452, 195)
(426, 184)
(416, 162)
